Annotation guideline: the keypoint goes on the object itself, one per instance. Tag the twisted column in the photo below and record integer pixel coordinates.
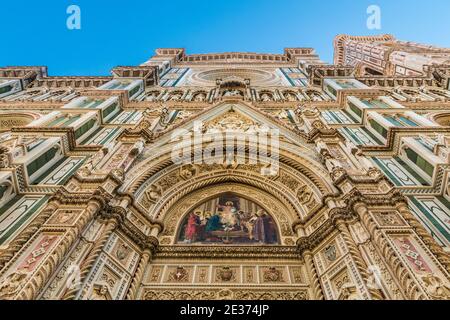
(40, 278)
(26, 234)
(137, 279)
(152, 244)
(94, 253)
(409, 286)
(357, 257)
(315, 285)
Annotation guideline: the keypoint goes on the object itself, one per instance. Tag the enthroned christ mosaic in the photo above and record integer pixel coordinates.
(228, 219)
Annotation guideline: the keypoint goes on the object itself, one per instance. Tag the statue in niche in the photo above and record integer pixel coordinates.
(164, 117)
(282, 115)
(175, 97)
(200, 97)
(314, 96)
(265, 97)
(361, 233)
(233, 93)
(349, 292)
(290, 97)
(442, 140)
(151, 97)
(100, 292)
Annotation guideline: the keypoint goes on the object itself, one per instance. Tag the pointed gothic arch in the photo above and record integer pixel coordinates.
(298, 189)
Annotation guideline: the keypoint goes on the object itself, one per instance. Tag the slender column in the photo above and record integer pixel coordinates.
(357, 257)
(145, 259)
(110, 225)
(315, 282)
(42, 275)
(401, 273)
(137, 279)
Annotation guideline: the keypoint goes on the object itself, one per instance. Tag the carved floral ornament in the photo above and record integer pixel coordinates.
(159, 193)
(155, 162)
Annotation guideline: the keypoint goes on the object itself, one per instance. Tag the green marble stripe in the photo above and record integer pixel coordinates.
(392, 177)
(432, 218)
(49, 171)
(180, 77)
(91, 136)
(287, 77)
(19, 222)
(436, 236)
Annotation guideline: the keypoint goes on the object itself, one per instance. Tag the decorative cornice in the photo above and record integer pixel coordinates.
(64, 196)
(396, 131)
(227, 252)
(72, 82)
(317, 73)
(69, 132)
(149, 74)
(339, 44)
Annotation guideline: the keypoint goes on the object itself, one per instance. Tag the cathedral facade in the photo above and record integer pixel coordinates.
(237, 176)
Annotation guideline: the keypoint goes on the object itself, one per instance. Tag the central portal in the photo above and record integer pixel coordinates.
(227, 246)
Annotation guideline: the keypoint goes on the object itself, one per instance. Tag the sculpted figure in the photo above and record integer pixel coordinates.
(436, 288)
(200, 97)
(11, 285)
(265, 97)
(100, 293)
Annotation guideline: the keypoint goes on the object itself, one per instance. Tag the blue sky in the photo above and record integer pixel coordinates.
(128, 32)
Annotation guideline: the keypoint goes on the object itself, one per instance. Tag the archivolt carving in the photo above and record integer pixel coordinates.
(169, 185)
(299, 154)
(144, 171)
